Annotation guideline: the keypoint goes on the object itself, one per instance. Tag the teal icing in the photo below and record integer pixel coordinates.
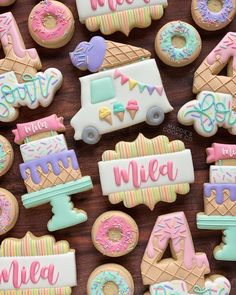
(104, 277)
(118, 108)
(2, 157)
(179, 29)
(102, 89)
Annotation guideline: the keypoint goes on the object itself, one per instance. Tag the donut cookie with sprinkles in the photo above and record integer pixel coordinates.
(178, 44)
(212, 15)
(115, 234)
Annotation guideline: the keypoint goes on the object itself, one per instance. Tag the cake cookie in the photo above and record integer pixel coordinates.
(37, 265)
(21, 83)
(110, 279)
(115, 234)
(6, 155)
(50, 170)
(219, 199)
(183, 273)
(99, 54)
(178, 44)
(146, 171)
(213, 15)
(119, 97)
(9, 211)
(112, 16)
(51, 24)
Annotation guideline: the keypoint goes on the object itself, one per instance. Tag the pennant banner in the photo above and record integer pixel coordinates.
(133, 83)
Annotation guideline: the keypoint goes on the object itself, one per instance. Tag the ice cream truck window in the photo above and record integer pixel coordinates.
(102, 89)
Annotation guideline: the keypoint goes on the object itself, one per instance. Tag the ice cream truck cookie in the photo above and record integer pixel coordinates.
(146, 171)
(130, 93)
(110, 16)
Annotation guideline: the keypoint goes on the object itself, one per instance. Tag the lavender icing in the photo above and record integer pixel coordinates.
(89, 55)
(219, 190)
(54, 160)
(215, 17)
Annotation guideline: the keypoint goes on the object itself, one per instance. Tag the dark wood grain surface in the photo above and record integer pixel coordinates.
(178, 85)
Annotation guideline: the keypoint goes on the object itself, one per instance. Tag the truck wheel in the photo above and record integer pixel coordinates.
(90, 135)
(155, 116)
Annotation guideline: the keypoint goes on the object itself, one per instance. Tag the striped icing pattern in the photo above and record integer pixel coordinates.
(143, 146)
(150, 196)
(124, 21)
(33, 246)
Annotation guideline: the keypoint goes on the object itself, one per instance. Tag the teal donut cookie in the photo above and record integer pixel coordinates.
(178, 44)
(112, 277)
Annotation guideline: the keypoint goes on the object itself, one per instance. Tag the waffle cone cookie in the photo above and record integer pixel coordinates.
(17, 58)
(206, 77)
(99, 54)
(186, 265)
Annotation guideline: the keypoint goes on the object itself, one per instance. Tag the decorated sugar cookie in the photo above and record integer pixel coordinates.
(214, 14)
(37, 265)
(50, 171)
(215, 103)
(99, 54)
(110, 279)
(51, 24)
(219, 199)
(21, 83)
(119, 97)
(178, 44)
(110, 16)
(184, 273)
(9, 211)
(6, 2)
(6, 155)
(146, 171)
(115, 234)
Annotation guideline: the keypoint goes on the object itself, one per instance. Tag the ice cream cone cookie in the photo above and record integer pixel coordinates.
(99, 54)
(119, 111)
(110, 279)
(51, 24)
(178, 44)
(213, 15)
(105, 115)
(132, 108)
(115, 234)
(9, 211)
(6, 155)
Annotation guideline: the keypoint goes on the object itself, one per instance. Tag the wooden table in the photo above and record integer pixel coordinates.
(178, 85)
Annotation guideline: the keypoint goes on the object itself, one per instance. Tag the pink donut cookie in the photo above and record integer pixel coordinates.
(115, 234)
(9, 211)
(51, 24)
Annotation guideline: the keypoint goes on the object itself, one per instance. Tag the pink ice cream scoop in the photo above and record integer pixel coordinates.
(132, 107)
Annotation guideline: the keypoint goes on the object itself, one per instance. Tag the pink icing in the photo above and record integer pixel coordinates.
(224, 50)
(61, 15)
(51, 123)
(5, 216)
(112, 3)
(121, 224)
(174, 227)
(8, 28)
(20, 275)
(220, 152)
(139, 175)
(132, 105)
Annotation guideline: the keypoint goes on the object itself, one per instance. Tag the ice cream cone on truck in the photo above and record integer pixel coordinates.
(132, 108)
(99, 54)
(119, 111)
(105, 115)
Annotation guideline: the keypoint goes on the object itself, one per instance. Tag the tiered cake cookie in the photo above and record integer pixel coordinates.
(185, 272)
(50, 171)
(127, 89)
(215, 103)
(220, 199)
